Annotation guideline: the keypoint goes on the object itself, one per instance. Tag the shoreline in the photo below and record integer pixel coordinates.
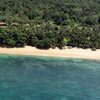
(65, 53)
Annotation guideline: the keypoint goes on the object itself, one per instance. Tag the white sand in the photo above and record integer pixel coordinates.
(70, 53)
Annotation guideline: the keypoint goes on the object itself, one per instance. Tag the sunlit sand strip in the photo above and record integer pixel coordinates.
(68, 53)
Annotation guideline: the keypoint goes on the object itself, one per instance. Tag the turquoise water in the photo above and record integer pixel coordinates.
(38, 78)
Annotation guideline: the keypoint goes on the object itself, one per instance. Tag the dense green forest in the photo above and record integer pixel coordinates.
(50, 23)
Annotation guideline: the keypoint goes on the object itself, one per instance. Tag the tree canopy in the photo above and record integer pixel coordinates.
(50, 23)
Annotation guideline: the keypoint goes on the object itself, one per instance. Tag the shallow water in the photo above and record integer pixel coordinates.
(38, 78)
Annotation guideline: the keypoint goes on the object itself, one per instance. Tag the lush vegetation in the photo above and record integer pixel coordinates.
(50, 23)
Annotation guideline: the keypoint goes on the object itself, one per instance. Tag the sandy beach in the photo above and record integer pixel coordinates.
(68, 53)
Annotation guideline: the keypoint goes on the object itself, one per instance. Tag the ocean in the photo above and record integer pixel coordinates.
(48, 78)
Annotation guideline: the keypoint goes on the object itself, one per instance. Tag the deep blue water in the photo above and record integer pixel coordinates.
(38, 78)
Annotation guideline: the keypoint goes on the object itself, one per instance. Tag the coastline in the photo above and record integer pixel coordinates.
(66, 52)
